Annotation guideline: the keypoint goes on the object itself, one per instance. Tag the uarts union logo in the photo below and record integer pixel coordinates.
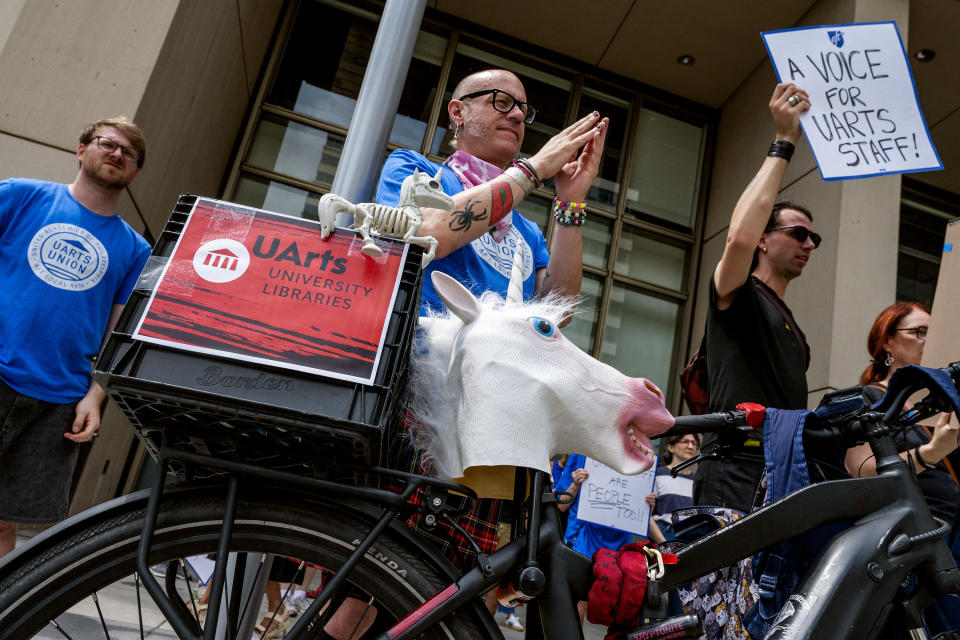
(221, 260)
(499, 255)
(67, 257)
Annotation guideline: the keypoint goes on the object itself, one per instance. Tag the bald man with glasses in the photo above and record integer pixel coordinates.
(489, 113)
(755, 350)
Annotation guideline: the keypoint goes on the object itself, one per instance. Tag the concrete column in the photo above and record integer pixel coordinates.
(852, 276)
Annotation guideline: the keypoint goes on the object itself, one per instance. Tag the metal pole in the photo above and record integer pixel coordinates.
(250, 598)
(377, 104)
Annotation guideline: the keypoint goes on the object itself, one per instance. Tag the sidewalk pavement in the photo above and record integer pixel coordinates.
(590, 631)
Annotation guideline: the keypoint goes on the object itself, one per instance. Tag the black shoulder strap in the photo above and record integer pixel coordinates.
(787, 317)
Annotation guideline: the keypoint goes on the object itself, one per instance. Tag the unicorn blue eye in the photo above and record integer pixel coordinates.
(543, 326)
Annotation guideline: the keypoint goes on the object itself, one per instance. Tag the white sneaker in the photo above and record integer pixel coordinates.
(513, 622)
(296, 604)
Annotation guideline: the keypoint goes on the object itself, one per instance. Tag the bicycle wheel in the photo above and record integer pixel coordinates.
(72, 580)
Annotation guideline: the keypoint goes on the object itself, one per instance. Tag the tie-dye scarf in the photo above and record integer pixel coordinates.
(473, 171)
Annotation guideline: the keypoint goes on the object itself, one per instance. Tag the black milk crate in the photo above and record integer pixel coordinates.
(254, 413)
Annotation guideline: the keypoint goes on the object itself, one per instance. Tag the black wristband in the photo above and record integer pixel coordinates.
(923, 463)
(781, 149)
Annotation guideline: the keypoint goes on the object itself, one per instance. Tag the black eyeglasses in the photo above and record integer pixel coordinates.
(919, 332)
(800, 234)
(504, 103)
(109, 146)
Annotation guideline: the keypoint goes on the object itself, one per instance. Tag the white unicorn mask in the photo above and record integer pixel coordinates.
(497, 386)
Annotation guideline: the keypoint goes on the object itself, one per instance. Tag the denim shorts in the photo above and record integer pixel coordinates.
(36, 461)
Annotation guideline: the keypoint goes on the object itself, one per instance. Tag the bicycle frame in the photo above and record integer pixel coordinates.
(848, 592)
(851, 590)
(567, 581)
(388, 503)
(553, 612)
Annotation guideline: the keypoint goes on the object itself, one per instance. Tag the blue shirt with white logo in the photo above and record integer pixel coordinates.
(62, 268)
(482, 265)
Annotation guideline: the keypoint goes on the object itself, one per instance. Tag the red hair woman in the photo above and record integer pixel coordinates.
(896, 339)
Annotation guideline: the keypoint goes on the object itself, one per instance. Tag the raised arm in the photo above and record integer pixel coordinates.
(477, 209)
(755, 204)
(564, 271)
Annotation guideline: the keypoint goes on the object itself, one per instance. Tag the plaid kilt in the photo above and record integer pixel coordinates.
(406, 454)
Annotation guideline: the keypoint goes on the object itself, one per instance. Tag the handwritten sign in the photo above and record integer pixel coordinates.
(615, 500)
(864, 119)
(263, 287)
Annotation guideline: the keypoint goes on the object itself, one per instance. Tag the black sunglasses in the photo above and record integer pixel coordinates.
(800, 234)
(504, 103)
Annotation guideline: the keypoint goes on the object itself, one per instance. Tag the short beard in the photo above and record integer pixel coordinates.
(110, 185)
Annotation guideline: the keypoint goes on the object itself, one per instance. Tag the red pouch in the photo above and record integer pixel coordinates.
(633, 587)
(605, 591)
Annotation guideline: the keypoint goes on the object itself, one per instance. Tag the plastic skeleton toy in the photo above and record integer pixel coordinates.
(401, 222)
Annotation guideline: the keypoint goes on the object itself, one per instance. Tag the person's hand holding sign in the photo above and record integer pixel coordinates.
(579, 476)
(787, 104)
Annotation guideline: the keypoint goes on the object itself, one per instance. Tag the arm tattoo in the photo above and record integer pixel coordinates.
(545, 285)
(501, 201)
(461, 220)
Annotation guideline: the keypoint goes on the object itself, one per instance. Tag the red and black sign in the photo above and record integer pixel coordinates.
(263, 287)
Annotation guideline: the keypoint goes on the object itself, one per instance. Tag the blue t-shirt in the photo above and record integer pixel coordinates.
(482, 265)
(62, 268)
(556, 472)
(587, 537)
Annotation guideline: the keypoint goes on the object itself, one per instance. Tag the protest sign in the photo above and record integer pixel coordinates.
(865, 118)
(263, 287)
(615, 500)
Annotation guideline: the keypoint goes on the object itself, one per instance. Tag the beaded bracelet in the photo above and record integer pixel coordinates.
(569, 214)
(524, 165)
(781, 149)
(522, 179)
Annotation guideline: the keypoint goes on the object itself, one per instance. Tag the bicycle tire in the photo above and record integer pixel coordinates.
(62, 572)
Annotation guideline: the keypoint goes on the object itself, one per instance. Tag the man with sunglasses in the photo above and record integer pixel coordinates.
(72, 262)
(755, 350)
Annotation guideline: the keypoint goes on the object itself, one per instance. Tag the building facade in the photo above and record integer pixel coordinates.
(251, 102)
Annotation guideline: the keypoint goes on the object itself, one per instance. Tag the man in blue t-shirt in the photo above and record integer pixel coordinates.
(477, 239)
(72, 262)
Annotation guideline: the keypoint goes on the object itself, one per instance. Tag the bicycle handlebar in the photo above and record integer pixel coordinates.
(706, 422)
(840, 427)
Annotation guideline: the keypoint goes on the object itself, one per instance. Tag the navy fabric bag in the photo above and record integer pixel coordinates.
(777, 569)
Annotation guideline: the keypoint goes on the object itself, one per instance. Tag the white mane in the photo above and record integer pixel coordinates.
(430, 364)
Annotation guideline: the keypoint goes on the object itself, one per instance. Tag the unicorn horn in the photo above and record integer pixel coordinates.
(515, 290)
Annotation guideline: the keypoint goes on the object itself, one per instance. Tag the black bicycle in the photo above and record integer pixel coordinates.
(852, 590)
